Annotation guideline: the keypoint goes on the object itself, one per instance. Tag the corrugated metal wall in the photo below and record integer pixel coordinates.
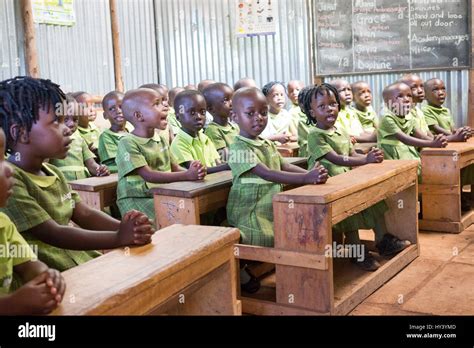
(137, 42)
(196, 41)
(457, 84)
(10, 46)
(79, 57)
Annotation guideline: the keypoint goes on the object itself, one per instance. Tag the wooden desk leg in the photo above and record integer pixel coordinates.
(305, 228)
(171, 210)
(92, 199)
(402, 216)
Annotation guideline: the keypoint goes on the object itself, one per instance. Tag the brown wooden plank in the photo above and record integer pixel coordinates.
(94, 184)
(260, 307)
(29, 34)
(176, 210)
(343, 185)
(137, 276)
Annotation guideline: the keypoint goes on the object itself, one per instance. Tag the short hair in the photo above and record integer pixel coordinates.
(21, 98)
(185, 95)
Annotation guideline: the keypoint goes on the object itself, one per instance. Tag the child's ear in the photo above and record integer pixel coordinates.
(138, 116)
(19, 134)
(209, 108)
(232, 115)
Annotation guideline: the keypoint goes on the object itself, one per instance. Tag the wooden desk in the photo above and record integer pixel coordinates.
(97, 192)
(308, 279)
(184, 202)
(441, 187)
(289, 149)
(186, 270)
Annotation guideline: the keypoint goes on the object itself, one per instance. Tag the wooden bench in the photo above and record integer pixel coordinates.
(441, 187)
(186, 270)
(308, 280)
(184, 202)
(97, 192)
(289, 149)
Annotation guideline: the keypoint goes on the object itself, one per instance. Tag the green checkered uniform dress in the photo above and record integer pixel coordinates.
(320, 143)
(186, 148)
(222, 136)
(348, 120)
(37, 199)
(420, 120)
(108, 144)
(368, 119)
(173, 121)
(73, 166)
(300, 121)
(90, 134)
(249, 206)
(443, 118)
(135, 152)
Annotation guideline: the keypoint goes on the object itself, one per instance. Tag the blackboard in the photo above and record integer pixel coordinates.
(363, 36)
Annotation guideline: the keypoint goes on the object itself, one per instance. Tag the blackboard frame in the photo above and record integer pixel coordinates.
(313, 35)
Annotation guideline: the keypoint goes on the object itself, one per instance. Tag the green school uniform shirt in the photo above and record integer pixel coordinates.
(186, 148)
(277, 123)
(438, 117)
(37, 199)
(349, 121)
(73, 166)
(368, 119)
(90, 134)
(108, 144)
(249, 206)
(295, 111)
(301, 124)
(420, 120)
(173, 121)
(222, 136)
(14, 251)
(321, 142)
(135, 152)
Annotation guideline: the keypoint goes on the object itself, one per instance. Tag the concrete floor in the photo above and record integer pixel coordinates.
(439, 282)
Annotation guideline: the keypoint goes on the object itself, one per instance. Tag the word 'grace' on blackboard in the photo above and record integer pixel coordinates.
(391, 35)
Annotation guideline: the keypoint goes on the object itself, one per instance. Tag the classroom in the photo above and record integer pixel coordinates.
(237, 157)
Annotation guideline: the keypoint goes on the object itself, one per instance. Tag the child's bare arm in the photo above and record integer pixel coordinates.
(219, 168)
(438, 141)
(439, 130)
(367, 137)
(96, 169)
(316, 176)
(281, 138)
(346, 161)
(420, 135)
(288, 167)
(195, 172)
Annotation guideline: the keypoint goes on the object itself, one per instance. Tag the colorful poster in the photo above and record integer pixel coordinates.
(256, 17)
(57, 12)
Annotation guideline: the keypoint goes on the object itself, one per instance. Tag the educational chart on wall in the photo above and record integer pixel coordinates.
(57, 12)
(387, 35)
(256, 17)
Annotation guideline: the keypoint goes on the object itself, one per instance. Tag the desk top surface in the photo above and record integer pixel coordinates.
(212, 182)
(111, 278)
(345, 184)
(452, 148)
(95, 183)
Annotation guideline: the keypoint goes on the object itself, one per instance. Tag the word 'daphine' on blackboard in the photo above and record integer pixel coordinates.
(390, 35)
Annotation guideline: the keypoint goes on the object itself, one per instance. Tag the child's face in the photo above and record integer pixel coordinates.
(6, 174)
(345, 92)
(154, 109)
(294, 89)
(436, 93)
(192, 113)
(324, 110)
(417, 88)
(49, 136)
(71, 122)
(250, 112)
(113, 111)
(276, 98)
(400, 101)
(222, 102)
(363, 96)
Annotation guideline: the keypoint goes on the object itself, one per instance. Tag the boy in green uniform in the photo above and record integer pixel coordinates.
(398, 136)
(172, 120)
(330, 144)
(418, 94)
(294, 88)
(87, 129)
(143, 157)
(258, 172)
(43, 287)
(304, 125)
(219, 104)
(42, 204)
(440, 121)
(191, 144)
(347, 117)
(109, 139)
(80, 161)
(363, 107)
